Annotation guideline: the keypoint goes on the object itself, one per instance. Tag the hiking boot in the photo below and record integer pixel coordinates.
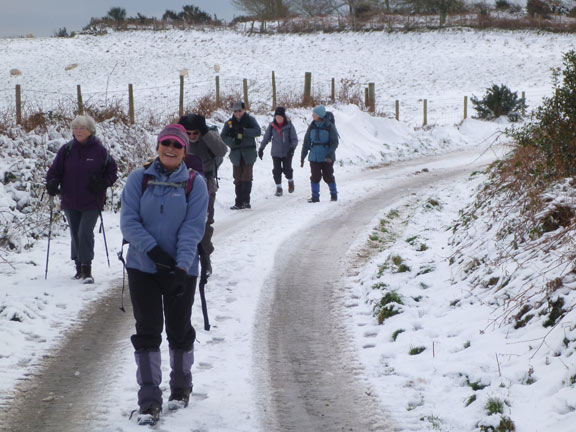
(179, 398)
(87, 274)
(333, 197)
(314, 199)
(246, 206)
(290, 186)
(278, 191)
(236, 207)
(78, 274)
(148, 416)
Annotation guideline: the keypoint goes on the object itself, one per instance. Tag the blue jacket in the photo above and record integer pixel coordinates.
(162, 216)
(321, 140)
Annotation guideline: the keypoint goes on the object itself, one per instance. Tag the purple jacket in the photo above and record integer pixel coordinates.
(74, 166)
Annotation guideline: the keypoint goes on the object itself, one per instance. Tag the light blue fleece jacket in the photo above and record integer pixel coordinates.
(162, 216)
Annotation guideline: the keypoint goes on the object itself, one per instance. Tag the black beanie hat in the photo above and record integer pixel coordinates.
(281, 111)
(194, 122)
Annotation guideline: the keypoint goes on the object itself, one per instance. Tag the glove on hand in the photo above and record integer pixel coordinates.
(97, 184)
(161, 258)
(53, 187)
(180, 282)
(291, 151)
(261, 153)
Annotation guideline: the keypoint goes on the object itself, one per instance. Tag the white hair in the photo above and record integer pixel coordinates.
(86, 121)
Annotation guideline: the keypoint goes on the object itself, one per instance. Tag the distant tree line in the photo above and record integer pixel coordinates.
(354, 10)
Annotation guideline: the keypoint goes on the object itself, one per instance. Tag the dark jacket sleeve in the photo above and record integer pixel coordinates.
(333, 142)
(56, 170)
(253, 130)
(111, 173)
(306, 143)
(267, 136)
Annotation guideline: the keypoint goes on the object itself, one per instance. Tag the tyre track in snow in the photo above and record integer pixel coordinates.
(62, 393)
(311, 379)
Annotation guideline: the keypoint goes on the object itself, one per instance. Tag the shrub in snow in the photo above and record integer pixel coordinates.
(498, 101)
(552, 131)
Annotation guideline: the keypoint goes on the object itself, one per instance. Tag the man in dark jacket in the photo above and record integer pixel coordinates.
(239, 134)
(209, 147)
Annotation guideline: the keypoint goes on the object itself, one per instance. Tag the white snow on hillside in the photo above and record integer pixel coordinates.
(466, 359)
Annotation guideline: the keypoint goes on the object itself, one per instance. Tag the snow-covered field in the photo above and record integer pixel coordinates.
(464, 357)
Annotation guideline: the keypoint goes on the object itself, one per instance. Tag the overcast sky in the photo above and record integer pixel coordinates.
(45, 17)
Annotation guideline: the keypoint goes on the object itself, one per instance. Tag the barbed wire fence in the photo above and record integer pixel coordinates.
(163, 102)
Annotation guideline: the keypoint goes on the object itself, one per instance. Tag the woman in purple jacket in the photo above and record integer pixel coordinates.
(81, 172)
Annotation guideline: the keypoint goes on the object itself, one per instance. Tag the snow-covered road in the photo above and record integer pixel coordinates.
(278, 356)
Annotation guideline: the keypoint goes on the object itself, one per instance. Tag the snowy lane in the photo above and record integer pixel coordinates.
(260, 368)
(312, 380)
(62, 395)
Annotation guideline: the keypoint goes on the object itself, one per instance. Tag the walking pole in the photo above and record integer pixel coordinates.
(203, 281)
(104, 236)
(51, 201)
(103, 231)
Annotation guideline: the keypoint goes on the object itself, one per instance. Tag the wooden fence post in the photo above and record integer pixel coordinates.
(245, 85)
(18, 104)
(131, 103)
(397, 109)
(217, 90)
(465, 107)
(307, 99)
(333, 91)
(181, 105)
(523, 103)
(366, 98)
(372, 97)
(425, 122)
(273, 91)
(80, 102)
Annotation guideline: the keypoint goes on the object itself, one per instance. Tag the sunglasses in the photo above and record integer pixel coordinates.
(193, 132)
(175, 144)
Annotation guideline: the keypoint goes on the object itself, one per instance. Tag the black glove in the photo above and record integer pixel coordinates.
(180, 282)
(97, 184)
(53, 187)
(161, 258)
(291, 151)
(261, 153)
(301, 163)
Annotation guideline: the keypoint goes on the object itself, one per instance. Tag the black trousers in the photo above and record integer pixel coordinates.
(282, 165)
(154, 304)
(322, 170)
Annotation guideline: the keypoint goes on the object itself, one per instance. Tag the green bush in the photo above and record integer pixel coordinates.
(498, 101)
(552, 130)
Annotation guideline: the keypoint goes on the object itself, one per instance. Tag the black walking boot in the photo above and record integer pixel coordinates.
(78, 274)
(87, 274)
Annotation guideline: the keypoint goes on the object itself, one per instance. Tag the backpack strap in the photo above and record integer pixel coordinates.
(189, 184)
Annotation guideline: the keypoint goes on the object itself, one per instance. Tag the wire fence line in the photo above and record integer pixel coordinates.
(167, 100)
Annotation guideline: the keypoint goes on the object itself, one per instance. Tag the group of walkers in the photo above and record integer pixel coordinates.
(167, 216)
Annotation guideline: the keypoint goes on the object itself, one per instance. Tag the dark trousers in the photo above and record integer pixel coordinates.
(206, 245)
(243, 181)
(82, 225)
(242, 172)
(322, 170)
(282, 165)
(153, 304)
